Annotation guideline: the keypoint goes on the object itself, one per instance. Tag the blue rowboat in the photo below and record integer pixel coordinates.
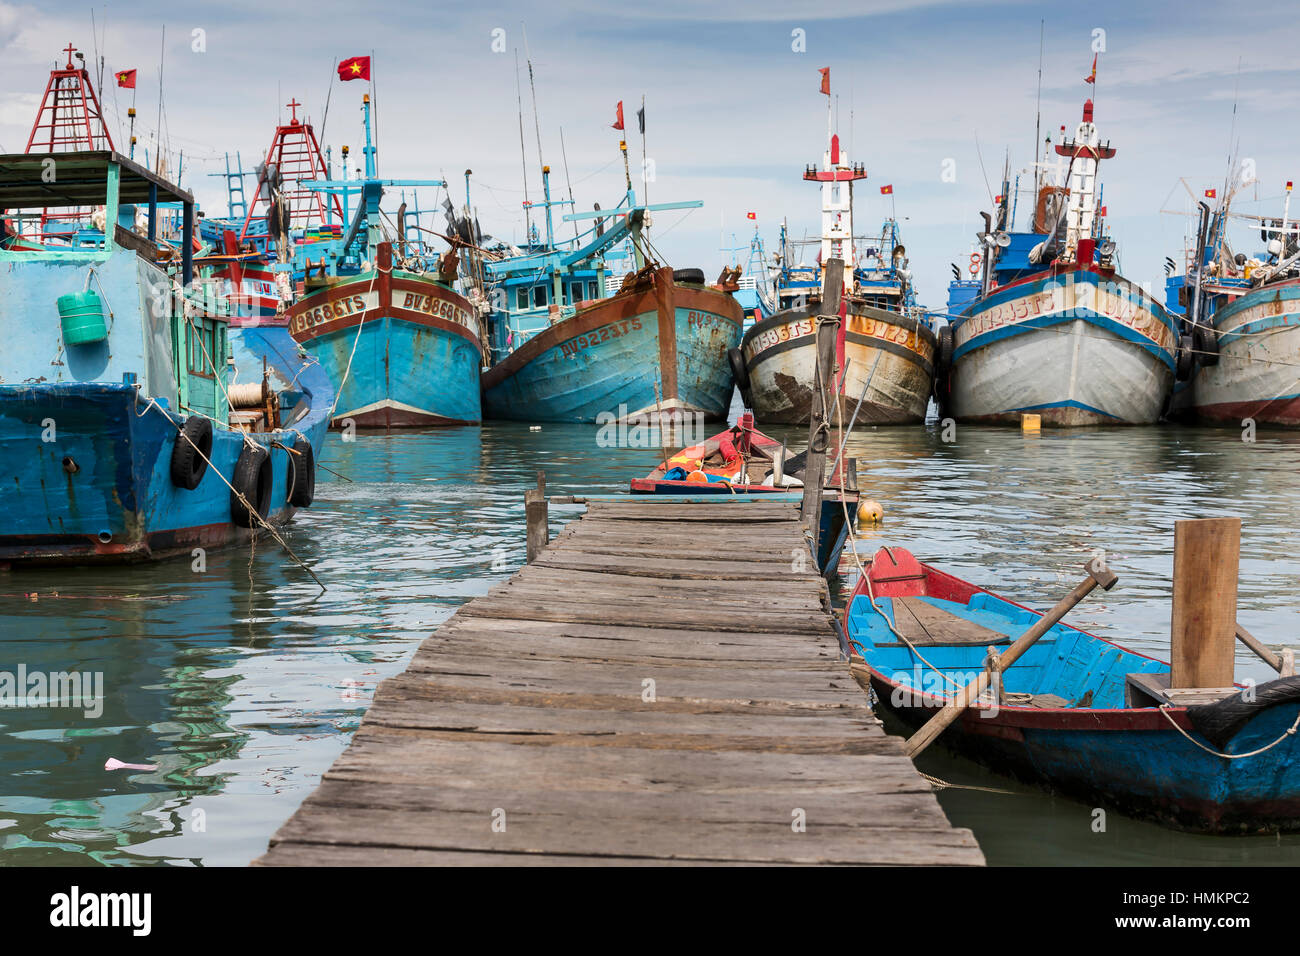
(659, 344)
(1079, 715)
(739, 461)
(124, 434)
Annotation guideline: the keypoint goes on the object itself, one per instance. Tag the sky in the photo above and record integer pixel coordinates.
(733, 111)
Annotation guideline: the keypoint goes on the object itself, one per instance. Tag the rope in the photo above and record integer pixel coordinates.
(1289, 732)
(338, 392)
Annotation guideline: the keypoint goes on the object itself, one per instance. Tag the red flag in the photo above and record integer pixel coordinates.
(1209, 194)
(355, 68)
(1092, 77)
(887, 190)
(825, 71)
(126, 79)
(1103, 210)
(618, 123)
(751, 215)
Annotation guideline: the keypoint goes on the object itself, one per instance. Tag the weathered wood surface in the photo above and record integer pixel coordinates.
(525, 732)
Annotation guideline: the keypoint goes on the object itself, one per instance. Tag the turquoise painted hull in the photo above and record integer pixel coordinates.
(401, 350)
(623, 357)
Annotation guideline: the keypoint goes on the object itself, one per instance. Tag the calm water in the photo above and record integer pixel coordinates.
(242, 682)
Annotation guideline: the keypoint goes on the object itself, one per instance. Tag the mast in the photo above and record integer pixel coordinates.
(1085, 152)
(837, 177)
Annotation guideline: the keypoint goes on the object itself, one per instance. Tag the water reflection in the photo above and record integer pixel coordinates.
(243, 682)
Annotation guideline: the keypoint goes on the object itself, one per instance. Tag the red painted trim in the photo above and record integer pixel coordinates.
(663, 287)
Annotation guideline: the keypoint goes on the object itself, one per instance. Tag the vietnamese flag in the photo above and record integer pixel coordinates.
(618, 123)
(1092, 77)
(1209, 194)
(126, 79)
(825, 71)
(355, 68)
(887, 190)
(751, 215)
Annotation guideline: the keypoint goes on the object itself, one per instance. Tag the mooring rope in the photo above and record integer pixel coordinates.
(1289, 732)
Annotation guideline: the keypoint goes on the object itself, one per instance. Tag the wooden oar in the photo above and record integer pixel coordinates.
(1097, 575)
(1263, 651)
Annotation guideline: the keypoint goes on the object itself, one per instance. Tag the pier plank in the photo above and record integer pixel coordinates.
(662, 685)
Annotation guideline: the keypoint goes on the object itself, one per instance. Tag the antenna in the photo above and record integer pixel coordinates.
(565, 156)
(1038, 110)
(523, 154)
(532, 86)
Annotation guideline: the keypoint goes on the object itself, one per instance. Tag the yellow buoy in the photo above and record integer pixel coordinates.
(870, 511)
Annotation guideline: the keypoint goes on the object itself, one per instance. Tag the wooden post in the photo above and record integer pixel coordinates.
(1207, 552)
(538, 521)
(814, 475)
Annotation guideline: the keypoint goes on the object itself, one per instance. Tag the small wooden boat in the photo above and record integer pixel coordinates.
(744, 461)
(1078, 715)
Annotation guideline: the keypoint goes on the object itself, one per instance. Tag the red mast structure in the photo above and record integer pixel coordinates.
(296, 156)
(70, 119)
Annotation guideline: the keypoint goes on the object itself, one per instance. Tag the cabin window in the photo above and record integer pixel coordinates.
(539, 296)
(577, 292)
(521, 298)
(201, 338)
(592, 290)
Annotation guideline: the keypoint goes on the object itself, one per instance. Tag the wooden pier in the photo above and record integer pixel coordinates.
(661, 684)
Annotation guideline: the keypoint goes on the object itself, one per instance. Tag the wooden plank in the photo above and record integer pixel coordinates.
(923, 623)
(680, 700)
(1204, 618)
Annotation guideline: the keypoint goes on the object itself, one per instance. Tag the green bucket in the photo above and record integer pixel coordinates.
(82, 317)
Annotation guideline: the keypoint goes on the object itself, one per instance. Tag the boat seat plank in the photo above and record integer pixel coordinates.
(923, 623)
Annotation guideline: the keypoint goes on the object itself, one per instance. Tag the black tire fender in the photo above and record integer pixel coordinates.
(736, 359)
(1186, 358)
(302, 474)
(252, 479)
(1207, 345)
(191, 452)
(689, 275)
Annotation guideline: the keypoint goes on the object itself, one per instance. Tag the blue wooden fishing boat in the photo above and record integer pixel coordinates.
(1053, 328)
(1240, 320)
(401, 344)
(744, 461)
(564, 349)
(1077, 714)
(124, 433)
(885, 346)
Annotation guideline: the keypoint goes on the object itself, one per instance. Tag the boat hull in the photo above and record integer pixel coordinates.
(1076, 348)
(1130, 760)
(662, 345)
(402, 350)
(119, 504)
(1256, 376)
(888, 362)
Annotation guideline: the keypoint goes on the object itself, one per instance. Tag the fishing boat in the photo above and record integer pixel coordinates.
(1240, 319)
(1076, 714)
(1054, 329)
(744, 461)
(123, 434)
(402, 345)
(568, 347)
(885, 345)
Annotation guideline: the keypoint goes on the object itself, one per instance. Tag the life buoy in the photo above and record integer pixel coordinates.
(252, 484)
(975, 261)
(302, 474)
(191, 452)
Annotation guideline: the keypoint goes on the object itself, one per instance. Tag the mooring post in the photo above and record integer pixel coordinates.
(538, 521)
(1207, 553)
(814, 475)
